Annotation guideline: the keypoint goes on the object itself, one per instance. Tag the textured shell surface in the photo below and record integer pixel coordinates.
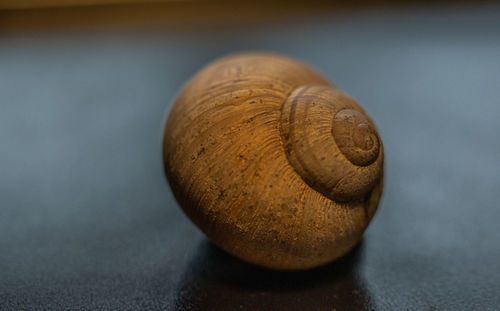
(272, 162)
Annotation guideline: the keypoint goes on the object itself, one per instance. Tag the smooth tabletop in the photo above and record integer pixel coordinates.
(88, 222)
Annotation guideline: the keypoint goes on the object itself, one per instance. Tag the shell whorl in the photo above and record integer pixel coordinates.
(331, 142)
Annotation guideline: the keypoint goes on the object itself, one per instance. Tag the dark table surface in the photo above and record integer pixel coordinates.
(87, 220)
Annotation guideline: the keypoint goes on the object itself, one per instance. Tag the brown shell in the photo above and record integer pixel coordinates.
(272, 162)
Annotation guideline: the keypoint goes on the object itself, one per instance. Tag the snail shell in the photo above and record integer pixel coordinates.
(272, 162)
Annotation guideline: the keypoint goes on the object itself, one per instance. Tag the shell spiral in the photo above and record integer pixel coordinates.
(331, 142)
(272, 162)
